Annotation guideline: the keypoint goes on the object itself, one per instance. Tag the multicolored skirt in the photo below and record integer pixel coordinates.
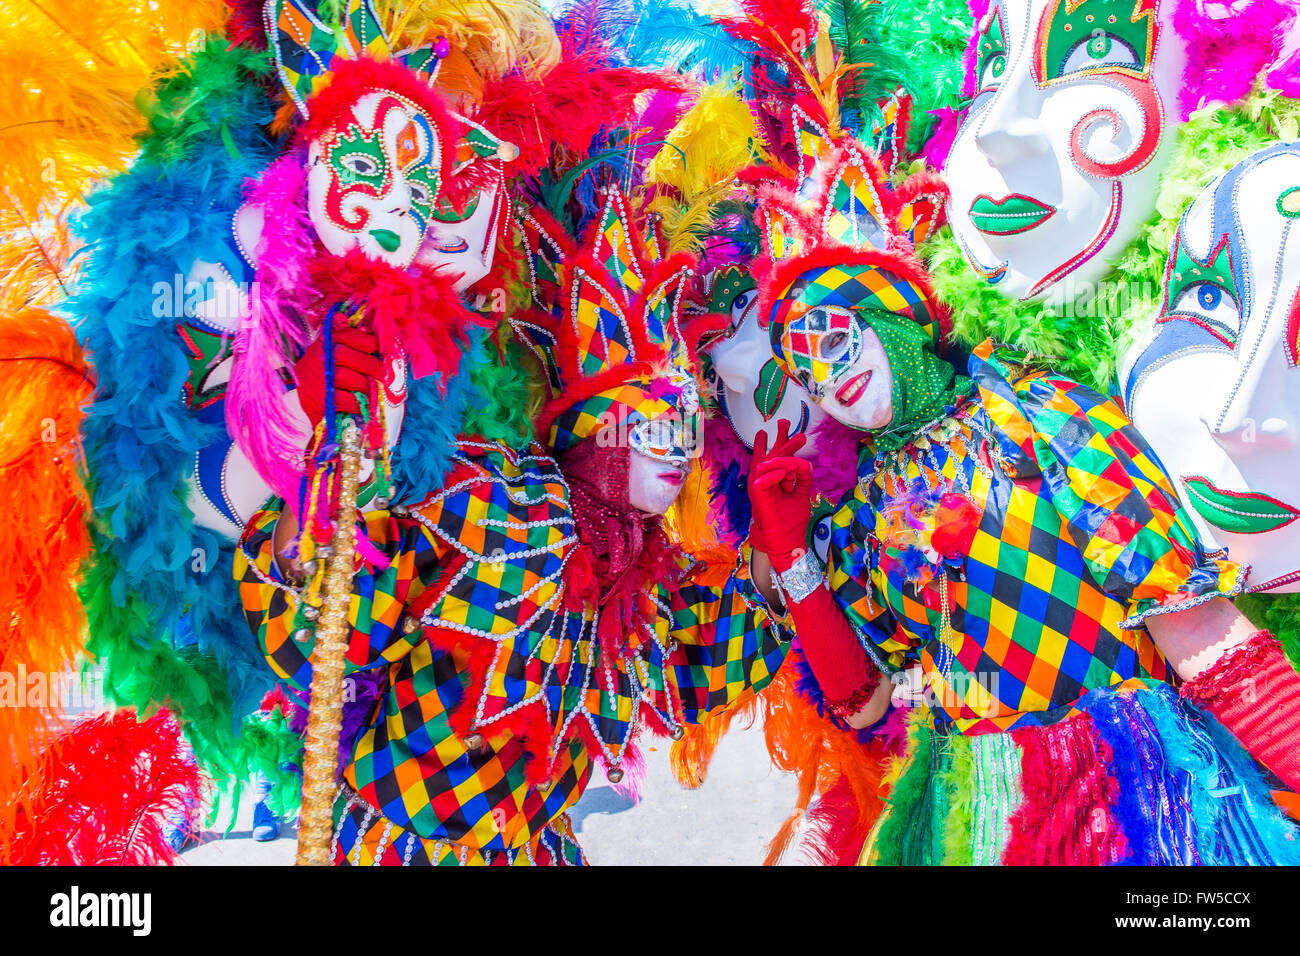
(1138, 777)
(363, 837)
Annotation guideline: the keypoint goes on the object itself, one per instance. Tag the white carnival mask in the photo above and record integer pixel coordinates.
(374, 179)
(225, 490)
(754, 393)
(1214, 386)
(1056, 163)
(465, 245)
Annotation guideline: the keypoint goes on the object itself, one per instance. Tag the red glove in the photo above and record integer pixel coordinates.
(780, 498)
(357, 368)
(1254, 692)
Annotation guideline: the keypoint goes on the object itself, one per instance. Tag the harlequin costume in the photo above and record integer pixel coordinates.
(528, 625)
(152, 159)
(1009, 535)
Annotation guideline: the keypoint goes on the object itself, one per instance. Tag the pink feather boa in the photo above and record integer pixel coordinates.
(274, 333)
(415, 311)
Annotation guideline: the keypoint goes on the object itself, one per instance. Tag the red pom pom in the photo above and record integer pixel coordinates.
(955, 522)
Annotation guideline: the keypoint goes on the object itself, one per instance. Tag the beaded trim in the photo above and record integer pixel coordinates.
(1139, 620)
(848, 706)
(801, 579)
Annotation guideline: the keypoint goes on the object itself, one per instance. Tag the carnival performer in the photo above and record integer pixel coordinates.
(1011, 532)
(215, 242)
(533, 615)
(716, 161)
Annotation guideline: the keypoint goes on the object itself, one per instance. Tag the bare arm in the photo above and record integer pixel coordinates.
(1194, 639)
(761, 573)
(875, 708)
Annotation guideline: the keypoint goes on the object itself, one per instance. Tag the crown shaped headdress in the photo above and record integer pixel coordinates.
(610, 329)
(308, 55)
(838, 236)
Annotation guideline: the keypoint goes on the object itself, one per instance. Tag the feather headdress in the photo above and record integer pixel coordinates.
(607, 324)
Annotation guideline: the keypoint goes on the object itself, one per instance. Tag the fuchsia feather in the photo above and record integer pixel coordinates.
(1229, 44)
(833, 449)
(273, 334)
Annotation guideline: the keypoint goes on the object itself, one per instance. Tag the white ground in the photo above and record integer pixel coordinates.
(726, 821)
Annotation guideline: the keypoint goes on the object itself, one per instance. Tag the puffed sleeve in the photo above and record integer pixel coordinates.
(1119, 505)
(729, 641)
(379, 594)
(848, 573)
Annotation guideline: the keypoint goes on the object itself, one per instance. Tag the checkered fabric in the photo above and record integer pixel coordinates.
(624, 404)
(1082, 538)
(605, 310)
(305, 48)
(613, 245)
(850, 287)
(364, 838)
(852, 214)
(497, 653)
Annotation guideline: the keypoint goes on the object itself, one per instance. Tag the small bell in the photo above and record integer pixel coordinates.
(614, 775)
(677, 733)
(399, 511)
(382, 503)
(473, 741)
(311, 613)
(324, 552)
(309, 568)
(410, 625)
(303, 635)
(507, 152)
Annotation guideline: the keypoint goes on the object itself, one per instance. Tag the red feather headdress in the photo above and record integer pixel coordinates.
(608, 323)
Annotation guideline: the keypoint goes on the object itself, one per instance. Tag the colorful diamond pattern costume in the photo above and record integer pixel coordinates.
(1081, 539)
(470, 618)
(502, 686)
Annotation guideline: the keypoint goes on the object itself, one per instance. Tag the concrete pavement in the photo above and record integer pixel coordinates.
(728, 820)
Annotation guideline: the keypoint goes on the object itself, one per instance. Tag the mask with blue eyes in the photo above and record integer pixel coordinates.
(1054, 167)
(1214, 384)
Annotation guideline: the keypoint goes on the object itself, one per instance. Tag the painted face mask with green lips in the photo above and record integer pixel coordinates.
(1215, 384)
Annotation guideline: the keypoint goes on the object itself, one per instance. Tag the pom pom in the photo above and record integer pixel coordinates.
(955, 522)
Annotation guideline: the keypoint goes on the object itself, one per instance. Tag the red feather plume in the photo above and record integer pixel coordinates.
(105, 792)
(567, 106)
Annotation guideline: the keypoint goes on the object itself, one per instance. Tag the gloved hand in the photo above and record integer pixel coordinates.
(780, 498)
(1254, 692)
(357, 368)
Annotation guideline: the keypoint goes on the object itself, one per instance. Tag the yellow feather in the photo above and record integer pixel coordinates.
(493, 35)
(713, 140)
(711, 143)
(70, 71)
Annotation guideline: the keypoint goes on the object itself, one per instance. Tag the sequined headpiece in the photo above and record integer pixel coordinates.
(607, 325)
(309, 54)
(839, 237)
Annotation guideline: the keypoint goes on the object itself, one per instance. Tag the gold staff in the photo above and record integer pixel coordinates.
(325, 718)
